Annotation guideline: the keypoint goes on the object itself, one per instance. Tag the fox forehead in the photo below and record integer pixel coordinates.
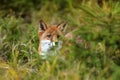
(53, 30)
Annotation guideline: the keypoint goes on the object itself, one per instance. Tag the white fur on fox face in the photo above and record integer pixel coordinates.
(46, 45)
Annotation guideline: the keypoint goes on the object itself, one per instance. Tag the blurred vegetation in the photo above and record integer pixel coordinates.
(93, 54)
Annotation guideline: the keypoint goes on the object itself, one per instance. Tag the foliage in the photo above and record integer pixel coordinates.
(93, 53)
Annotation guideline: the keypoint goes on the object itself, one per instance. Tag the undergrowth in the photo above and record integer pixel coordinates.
(93, 53)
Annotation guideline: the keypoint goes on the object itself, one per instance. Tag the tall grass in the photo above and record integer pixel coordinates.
(93, 53)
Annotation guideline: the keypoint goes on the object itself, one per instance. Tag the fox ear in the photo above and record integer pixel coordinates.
(62, 26)
(42, 25)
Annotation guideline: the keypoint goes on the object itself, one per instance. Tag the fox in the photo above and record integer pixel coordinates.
(49, 37)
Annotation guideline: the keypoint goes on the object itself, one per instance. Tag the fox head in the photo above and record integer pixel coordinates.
(49, 36)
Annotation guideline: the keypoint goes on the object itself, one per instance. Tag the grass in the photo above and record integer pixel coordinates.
(96, 58)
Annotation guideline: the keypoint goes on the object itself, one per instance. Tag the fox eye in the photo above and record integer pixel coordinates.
(49, 35)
